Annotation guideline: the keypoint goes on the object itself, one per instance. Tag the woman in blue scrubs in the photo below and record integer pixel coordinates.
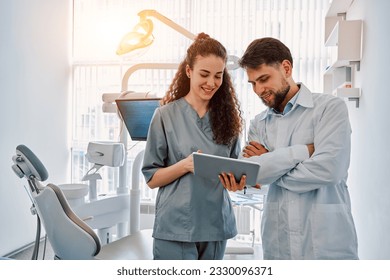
(200, 112)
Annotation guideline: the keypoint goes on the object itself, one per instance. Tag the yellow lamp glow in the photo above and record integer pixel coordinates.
(140, 37)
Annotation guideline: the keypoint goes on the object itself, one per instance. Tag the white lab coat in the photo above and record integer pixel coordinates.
(307, 211)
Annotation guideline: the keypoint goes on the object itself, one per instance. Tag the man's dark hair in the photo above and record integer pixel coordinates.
(269, 51)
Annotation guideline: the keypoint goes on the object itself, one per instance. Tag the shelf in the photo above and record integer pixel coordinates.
(341, 63)
(330, 23)
(337, 78)
(343, 38)
(345, 41)
(347, 92)
(337, 7)
(336, 12)
(345, 30)
(353, 94)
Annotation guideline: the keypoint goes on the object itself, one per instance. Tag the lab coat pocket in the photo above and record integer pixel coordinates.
(269, 229)
(333, 232)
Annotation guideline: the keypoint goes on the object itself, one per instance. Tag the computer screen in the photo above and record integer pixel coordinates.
(137, 115)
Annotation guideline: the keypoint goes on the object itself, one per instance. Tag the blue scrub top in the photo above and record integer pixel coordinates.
(190, 209)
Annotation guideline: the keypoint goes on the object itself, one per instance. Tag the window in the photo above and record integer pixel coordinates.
(100, 24)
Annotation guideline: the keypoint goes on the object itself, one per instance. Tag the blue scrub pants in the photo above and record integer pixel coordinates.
(176, 250)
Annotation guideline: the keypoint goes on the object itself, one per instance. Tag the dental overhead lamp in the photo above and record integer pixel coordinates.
(141, 36)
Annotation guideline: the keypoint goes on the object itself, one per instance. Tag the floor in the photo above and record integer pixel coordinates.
(257, 254)
(46, 253)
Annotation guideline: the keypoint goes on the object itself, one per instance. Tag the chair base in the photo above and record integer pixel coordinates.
(138, 246)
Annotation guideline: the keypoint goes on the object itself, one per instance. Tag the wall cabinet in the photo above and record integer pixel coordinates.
(343, 39)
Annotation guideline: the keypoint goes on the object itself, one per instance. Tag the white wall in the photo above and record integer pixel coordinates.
(34, 91)
(369, 173)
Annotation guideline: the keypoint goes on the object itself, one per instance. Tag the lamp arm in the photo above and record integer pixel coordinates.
(153, 13)
(136, 67)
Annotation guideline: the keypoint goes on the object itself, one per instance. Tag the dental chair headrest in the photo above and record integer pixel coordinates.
(27, 164)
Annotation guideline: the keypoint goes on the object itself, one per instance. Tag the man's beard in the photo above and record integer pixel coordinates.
(279, 97)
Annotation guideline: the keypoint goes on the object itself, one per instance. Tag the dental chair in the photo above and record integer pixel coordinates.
(69, 235)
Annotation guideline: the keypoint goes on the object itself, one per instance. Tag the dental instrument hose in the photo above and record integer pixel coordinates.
(37, 240)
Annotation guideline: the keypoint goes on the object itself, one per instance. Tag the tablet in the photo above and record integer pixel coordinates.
(210, 166)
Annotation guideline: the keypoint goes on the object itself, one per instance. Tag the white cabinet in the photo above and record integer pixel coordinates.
(343, 39)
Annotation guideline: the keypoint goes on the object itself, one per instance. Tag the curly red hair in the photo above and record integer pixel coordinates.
(224, 108)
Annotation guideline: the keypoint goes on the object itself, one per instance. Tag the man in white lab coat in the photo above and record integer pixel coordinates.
(302, 142)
